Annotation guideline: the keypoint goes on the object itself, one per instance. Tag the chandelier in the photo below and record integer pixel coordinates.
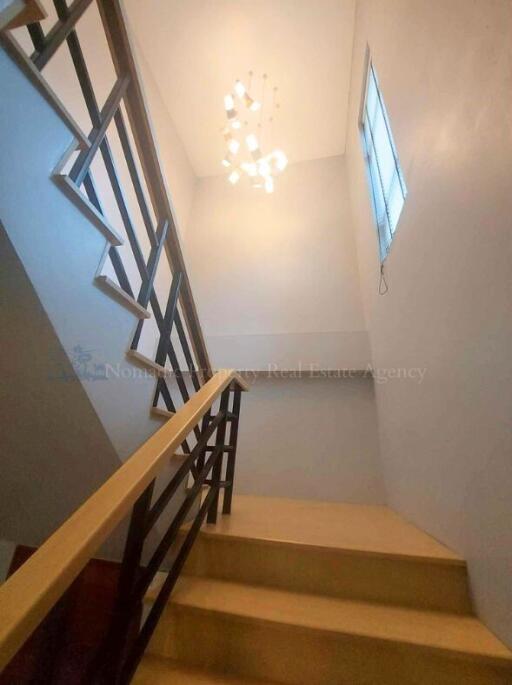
(249, 125)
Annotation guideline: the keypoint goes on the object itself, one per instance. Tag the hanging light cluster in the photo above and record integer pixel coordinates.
(244, 139)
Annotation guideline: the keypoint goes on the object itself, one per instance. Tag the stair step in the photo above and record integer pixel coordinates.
(144, 362)
(160, 413)
(111, 288)
(364, 528)
(156, 671)
(357, 552)
(297, 638)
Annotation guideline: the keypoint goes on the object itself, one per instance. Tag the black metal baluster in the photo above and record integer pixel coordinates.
(186, 351)
(172, 355)
(134, 175)
(204, 427)
(165, 347)
(161, 388)
(97, 135)
(59, 33)
(113, 252)
(37, 36)
(147, 285)
(168, 320)
(164, 594)
(217, 469)
(108, 663)
(84, 79)
(173, 485)
(77, 56)
(231, 458)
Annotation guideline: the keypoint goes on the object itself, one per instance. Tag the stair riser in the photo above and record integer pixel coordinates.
(421, 584)
(298, 656)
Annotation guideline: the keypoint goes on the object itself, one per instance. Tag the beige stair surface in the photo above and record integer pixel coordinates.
(299, 639)
(349, 551)
(157, 671)
(258, 601)
(463, 635)
(361, 528)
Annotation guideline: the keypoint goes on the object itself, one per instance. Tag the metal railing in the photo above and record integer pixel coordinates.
(163, 237)
(207, 434)
(34, 589)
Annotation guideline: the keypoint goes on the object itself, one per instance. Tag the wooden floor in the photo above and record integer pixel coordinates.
(309, 593)
(374, 529)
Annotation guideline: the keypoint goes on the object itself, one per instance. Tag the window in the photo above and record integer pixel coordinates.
(385, 175)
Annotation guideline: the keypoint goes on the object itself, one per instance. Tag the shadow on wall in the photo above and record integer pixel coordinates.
(55, 452)
(310, 438)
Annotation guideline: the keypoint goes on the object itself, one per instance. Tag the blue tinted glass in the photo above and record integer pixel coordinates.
(386, 178)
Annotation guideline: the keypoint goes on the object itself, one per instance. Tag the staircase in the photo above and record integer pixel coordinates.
(297, 592)
(282, 591)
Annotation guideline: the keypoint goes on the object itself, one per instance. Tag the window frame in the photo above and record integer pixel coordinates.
(384, 245)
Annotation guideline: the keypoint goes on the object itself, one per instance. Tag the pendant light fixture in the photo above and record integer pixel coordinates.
(244, 140)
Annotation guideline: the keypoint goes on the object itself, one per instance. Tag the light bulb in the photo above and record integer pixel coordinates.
(229, 103)
(234, 176)
(239, 89)
(250, 168)
(281, 160)
(233, 146)
(226, 161)
(269, 184)
(252, 142)
(264, 168)
(236, 124)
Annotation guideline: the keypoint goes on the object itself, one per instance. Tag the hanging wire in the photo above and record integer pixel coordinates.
(383, 286)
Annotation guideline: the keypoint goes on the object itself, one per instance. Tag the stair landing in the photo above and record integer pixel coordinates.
(369, 529)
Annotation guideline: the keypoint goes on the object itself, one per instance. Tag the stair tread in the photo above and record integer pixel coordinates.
(159, 671)
(453, 633)
(369, 529)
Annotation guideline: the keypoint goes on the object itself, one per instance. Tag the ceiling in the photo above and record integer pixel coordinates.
(196, 49)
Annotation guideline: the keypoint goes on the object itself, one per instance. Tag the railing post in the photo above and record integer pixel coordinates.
(217, 469)
(233, 440)
(107, 667)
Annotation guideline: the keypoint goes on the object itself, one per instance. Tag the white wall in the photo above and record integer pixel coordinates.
(311, 438)
(445, 69)
(275, 276)
(276, 282)
(178, 172)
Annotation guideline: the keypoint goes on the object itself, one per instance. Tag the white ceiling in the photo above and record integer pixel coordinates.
(197, 48)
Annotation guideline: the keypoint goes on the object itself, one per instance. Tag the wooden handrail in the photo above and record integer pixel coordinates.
(30, 593)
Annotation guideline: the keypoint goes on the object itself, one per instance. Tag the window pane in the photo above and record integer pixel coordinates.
(384, 151)
(386, 179)
(395, 202)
